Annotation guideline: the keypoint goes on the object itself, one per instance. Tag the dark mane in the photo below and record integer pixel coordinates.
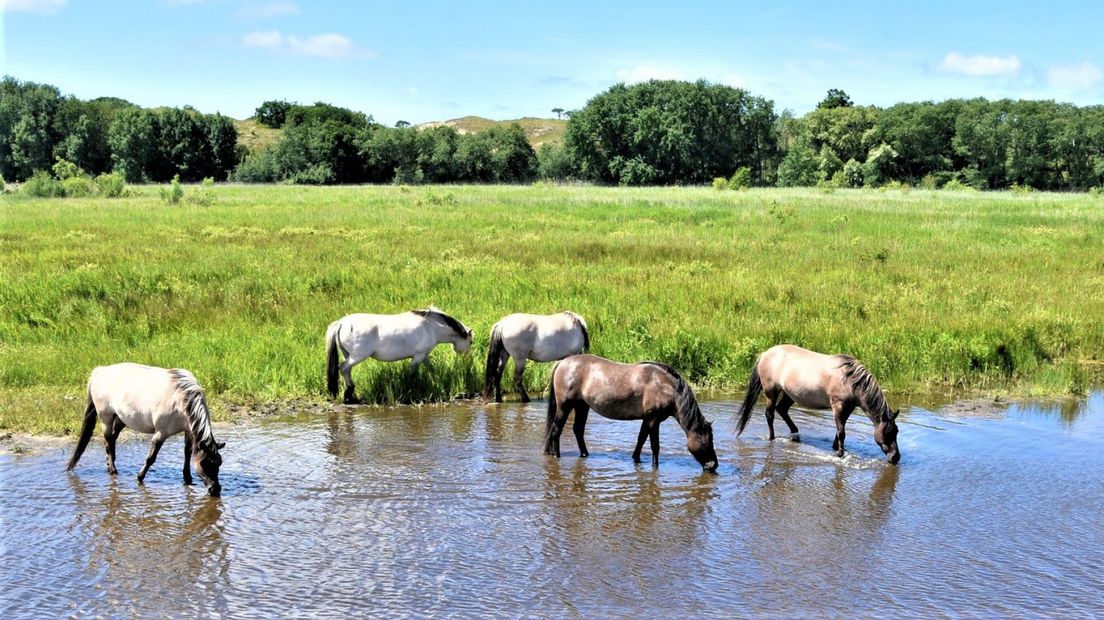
(453, 324)
(866, 387)
(195, 405)
(686, 406)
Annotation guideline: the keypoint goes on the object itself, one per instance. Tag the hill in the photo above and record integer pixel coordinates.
(539, 130)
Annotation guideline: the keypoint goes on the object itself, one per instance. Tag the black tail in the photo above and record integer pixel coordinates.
(754, 388)
(85, 433)
(586, 337)
(492, 376)
(331, 363)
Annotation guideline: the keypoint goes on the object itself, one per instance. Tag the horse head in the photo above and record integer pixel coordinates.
(462, 344)
(885, 434)
(207, 462)
(699, 442)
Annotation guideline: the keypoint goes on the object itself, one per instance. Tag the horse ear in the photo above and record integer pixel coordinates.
(220, 445)
(895, 413)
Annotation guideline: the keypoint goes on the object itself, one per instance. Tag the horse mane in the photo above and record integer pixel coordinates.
(453, 324)
(864, 384)
(190, 394)
(686, 406)
(583, 326)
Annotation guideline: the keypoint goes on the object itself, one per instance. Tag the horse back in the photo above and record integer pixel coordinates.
(612, 389)
(141, 396)
(541, 337)
(808, 377)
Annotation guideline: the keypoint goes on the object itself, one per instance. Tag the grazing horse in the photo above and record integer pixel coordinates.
(537, 337)
(154, 400)
(388, 338)
(648, 391)
(788, 374)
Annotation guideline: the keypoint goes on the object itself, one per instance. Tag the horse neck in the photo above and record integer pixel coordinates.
(194, 405)
(442, 331)
(687, 412)
(873, 404)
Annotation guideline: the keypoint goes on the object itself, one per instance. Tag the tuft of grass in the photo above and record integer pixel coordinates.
(932, 290)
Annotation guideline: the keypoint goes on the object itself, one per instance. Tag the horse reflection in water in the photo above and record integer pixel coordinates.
(153, 400)
(648, 391)
(788, 374)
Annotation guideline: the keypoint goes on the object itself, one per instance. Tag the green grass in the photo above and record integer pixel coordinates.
(255, 136)
(932, 290)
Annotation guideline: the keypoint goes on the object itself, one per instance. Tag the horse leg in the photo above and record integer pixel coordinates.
(519, 380)
(155, 447)
(581, 412)
(188, 458)
(654, 436)
(502, 359)
(840, 412)
(417, 361)
(771, 400)
(112, 428)
(644, 432)
(555, 428)
(783, 408)
(346, 369)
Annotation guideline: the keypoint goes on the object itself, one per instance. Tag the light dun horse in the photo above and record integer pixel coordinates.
(537, 337)
(788, 374)
(388, 338)
(648, 391)
(152, 400)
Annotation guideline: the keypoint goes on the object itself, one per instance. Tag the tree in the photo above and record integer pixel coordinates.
(131, 137)
(835, 98)
(401, 124)
(558, 112)
(273, 113)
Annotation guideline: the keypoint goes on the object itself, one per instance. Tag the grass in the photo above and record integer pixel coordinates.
(932, 290)
(540, 131)
(255, 136)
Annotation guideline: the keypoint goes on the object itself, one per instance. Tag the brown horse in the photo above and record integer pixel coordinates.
(788, 374)
(648, 391)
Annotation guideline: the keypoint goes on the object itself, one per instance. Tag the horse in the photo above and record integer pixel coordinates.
(647, 391)
(388, 338)
(154, 400)
(789, 374)
(537, 337)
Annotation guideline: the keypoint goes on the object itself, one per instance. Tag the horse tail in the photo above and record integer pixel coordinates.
(494, 353)
(551, 419)
(87, 427)
(586, 334)
(331, 358)
(755, 386)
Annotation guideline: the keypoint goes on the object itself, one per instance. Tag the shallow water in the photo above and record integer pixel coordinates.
(417, 511)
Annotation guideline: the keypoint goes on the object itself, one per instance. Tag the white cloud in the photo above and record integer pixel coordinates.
(1084, 76)
(980, 65)
(270, 9)
(32, 6)
(643, 73)
(330, 45)
(271, 38)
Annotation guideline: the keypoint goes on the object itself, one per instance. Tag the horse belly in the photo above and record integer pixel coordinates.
(808, 396)
(555, 347)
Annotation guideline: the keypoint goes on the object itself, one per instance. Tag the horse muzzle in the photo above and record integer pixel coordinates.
(894, 457)
(214, 490)
(711, 466)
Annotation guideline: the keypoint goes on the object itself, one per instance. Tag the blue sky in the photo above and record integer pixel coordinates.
(423, 61)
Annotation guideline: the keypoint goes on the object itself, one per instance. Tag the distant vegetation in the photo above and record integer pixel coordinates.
(656, 133)
(930, 289)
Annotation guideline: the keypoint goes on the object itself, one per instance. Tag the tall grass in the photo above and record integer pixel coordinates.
(929, 289)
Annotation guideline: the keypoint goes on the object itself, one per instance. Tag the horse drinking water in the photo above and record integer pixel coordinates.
(648, 391)
(154, 400)
(537, 337)
(388, 338)
(788, 374)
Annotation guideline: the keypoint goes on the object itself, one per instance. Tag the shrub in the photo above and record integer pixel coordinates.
(256, 168)
(204, 195)
(174, 192)
(720, 183)
(315, 174)
(43, 185)
(929, 182)
(111, 185)
(954, 185)
(1095, 192)
(851, 175)
(65, 169)
(741, 179)
(79, 186)
(1021, 190)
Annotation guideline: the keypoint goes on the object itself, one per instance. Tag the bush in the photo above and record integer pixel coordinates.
(111, 185)
(556, 163)
(65, 170)
(204, 195)
(1095, 192)
(315, 174)
(172, 194)
(256, 168)
(720, 183)
(78, 187)
(741, 179)
(929, 182)
(1021, 190)
(43, 185)
(954, 185)
(851, 175)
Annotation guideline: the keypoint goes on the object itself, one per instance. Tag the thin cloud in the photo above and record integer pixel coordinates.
(646, 72)
(32, 6)
(980, 65)
(268, 10)
(1083, 76)
(331, 45)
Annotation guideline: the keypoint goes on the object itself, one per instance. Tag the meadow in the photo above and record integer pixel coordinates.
(933, 290)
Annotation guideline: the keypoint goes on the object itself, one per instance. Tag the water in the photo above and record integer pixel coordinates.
(454, 510)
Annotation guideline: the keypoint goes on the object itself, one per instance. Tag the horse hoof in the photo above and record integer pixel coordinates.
(795, 438)
(583, 455)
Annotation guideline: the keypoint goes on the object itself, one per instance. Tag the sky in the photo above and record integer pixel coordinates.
(438, 60)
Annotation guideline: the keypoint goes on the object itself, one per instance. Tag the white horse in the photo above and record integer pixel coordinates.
(388, 338)
(537, 337)
(153, 400)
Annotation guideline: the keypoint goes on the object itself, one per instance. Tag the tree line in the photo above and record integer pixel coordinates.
(654, 133)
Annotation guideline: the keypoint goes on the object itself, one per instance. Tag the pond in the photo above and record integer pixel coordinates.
(994, 510)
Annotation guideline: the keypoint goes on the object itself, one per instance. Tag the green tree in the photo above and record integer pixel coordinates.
(273, 113)
(835, 98)
(131, 137)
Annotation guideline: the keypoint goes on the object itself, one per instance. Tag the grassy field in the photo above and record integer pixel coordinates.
(991, 292)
